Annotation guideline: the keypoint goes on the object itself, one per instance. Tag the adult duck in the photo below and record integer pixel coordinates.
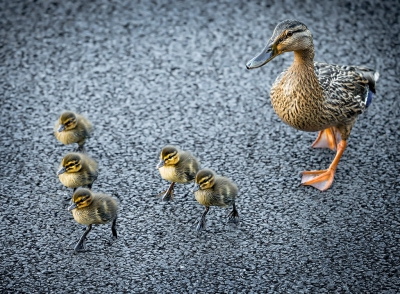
(314, 96)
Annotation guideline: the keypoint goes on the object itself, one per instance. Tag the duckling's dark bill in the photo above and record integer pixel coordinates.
(161, 164)
(196, 188)
(264, 57)
(72, 207)
(61, 171)
(61, 128)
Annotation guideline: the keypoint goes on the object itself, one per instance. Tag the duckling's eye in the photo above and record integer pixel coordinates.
(289, 34)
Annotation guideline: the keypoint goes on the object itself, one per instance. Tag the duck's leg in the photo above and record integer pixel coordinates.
(233, 216)
(80, 246)
(323, 179)
(328, 138)
(202, 222)
(169, 194)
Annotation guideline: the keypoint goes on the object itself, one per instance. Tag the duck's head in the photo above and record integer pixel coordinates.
(169, 156)
(81, 198)
(67, 121)
(71, 163)
(205, 179)
(289, 35)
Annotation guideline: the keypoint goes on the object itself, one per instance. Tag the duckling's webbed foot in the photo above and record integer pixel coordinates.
(81, 245)
(233, 216)
(169, 194)
(202, 222)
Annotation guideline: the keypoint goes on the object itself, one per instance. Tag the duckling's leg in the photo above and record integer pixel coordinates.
(327, 138)
(233, 216)
(323, 179)
(81, 147)
(113, 228)
(202, 222)
(80, 246)
(169, 194)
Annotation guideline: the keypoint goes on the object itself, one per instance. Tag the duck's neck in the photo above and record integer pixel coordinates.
(304, 58)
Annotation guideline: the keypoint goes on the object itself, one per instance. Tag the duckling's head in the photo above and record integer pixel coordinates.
(81, 198)
(71, 163)
(169, 156)
(205, 179)
(289, 35)
(67, 121)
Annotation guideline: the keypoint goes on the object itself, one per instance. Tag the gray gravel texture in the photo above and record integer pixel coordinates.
(150, 73)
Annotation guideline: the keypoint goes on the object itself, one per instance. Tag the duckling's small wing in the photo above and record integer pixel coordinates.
(191, 166)
(104, 214)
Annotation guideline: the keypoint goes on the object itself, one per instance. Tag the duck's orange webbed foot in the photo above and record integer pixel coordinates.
(328, 138)
(320, 179)
(323, 179)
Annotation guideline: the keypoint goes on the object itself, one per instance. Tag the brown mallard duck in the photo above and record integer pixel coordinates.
(77, 170)
(90, 208)
(176, 166)
(213, 190)
(72, 128)
(314, 96)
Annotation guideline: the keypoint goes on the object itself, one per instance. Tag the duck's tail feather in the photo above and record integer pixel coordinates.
(370, 75)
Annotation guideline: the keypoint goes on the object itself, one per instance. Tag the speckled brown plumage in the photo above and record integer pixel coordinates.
(314, 96)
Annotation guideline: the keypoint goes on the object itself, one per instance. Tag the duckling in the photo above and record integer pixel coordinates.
(72, 128)
(213, 190)
(77, 170)
(314, 96)
(90, 208)
(176, 166)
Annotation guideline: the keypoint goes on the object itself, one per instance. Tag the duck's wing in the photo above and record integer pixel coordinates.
(346, 88)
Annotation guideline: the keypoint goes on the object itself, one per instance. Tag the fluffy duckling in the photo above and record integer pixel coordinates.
(77, 170)
(213, 190)
(90, 208)
(176, 166)
(72, 128)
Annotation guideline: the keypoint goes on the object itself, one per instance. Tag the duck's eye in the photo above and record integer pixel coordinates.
(169, 157)
(289, 34)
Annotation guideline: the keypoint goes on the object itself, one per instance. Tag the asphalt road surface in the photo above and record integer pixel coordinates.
(151, 73)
